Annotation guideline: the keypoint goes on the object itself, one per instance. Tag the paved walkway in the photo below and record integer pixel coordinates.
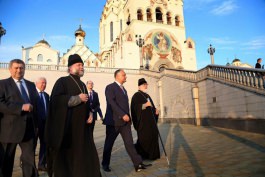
(192, 152)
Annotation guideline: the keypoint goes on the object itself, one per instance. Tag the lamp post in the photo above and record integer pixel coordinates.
(211, 51)
(140, 43)
(2, 31)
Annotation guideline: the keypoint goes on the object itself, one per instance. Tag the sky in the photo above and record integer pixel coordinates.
(235, 28)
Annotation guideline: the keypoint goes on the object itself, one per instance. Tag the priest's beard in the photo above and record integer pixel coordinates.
(78, 72)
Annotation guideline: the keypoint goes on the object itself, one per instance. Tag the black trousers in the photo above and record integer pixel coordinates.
(42, 150)
(8, 151)
(111, 134)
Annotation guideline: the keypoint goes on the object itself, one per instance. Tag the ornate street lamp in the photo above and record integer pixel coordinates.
(211, 51)
(140, 43)
(2, 31)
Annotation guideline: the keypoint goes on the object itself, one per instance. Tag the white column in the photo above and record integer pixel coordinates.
(195, 96)
(161, 98)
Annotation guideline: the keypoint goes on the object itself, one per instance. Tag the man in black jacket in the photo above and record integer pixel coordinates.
(18, 120)
(94, 103)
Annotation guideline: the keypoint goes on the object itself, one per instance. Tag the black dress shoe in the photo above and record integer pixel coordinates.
(106, 169)
(139, 168)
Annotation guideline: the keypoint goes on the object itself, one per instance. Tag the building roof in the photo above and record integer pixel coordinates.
(80, 32)
(43, 42)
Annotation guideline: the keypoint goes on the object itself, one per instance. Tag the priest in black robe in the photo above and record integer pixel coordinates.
(71, 147)
(144, 117)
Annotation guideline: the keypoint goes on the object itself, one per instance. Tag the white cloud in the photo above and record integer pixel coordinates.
(254, 44)
(222, 41)
(227, 7)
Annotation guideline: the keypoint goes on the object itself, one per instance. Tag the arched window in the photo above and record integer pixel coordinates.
(169, 18)
(111, 31)
(177, 21)
(49, 60)
(40, 58)
(149, 15)
(139, 14)
(159, 15)
(190, 45)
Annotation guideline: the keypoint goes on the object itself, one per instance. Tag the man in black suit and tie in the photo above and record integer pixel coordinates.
(118, 121)
(18, 103)
(94, 103)
(43, 103)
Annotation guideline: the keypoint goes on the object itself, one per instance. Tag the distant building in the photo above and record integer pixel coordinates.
(159, 22)
(81, 49)
(40, 53)
(237, 62)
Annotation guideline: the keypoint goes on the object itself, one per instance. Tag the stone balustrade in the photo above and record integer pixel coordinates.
(248, 77)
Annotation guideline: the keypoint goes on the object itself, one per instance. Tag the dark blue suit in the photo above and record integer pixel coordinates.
(17, 127)
(95, 107)
(42, 116)
(117, 107)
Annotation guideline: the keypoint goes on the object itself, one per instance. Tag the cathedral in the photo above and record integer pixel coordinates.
(133, 34)
(145, 34)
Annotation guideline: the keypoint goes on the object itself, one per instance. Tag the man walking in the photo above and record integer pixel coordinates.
(94, 103)
(117, 121)
(43, 104)
(18, 120)
(67, 132)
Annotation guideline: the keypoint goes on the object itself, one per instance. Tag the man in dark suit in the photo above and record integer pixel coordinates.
(18, 103)
(118, 121)
(94, 103)
(43, 103)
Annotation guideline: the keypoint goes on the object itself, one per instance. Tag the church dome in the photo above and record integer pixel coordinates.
(80, 32)
(43, 42)
(236, 60)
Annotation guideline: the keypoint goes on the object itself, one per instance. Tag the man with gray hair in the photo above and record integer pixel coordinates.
(94, 103)
(43, 106)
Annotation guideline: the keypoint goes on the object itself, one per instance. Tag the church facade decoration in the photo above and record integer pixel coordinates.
(159, 22)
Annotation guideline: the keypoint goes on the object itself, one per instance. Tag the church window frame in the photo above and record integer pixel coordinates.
(140, 14)
(149, 15)
(159, 15)
(40, 58)
(111, 31)
(169, 18)
(177, 20)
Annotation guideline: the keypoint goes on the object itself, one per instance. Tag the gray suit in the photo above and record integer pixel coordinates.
(17, 127)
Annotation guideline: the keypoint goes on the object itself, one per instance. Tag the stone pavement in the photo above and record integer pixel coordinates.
(192, 152)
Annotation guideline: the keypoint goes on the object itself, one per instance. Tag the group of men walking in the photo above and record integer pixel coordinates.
(64, 123)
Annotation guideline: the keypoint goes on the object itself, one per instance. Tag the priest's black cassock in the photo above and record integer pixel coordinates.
(68, 134)
(144, 122)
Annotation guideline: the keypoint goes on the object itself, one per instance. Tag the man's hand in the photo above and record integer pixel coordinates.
(157, 111)
(147, 104)
(126, 118)
(90, 119)
(83, 97)
(27, 107)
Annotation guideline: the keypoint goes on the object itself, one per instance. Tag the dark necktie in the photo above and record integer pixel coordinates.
(122, 88)
(42, 102)
(90, 98)
(23, 92)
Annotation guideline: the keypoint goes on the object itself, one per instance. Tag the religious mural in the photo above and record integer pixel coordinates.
(162, 47)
